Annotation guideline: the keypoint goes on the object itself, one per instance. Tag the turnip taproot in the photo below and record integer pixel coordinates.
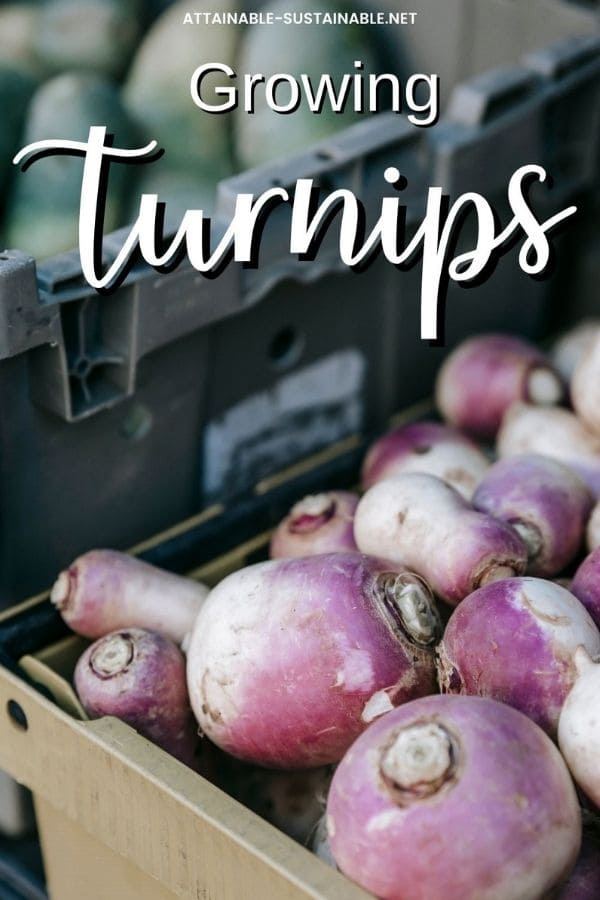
(428, 447)
(421, 522)
(139, 677)
(484, 375)
(320, 523)
(545, 501)
(290, 659)
(557, 433)
(458, 798)
(515, 641)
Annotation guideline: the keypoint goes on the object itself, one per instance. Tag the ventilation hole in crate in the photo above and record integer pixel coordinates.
(324, 155)
(17, 715)
(137, 423)
(285, 348)
(82, 367)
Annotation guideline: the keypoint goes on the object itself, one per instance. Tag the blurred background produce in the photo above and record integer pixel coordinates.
(66, 65)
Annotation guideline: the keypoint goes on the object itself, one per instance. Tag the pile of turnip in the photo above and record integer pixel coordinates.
(410, 685)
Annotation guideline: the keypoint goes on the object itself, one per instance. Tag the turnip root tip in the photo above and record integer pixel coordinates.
(409, 600)
(419, 761)
(544, 387)
(112, 656)
(319, 523)
(59, 595)
(308, 514)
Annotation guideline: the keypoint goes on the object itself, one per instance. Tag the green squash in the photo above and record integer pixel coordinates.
(89, 35)
(19, 28)
(43, 212)
(295, 49)
(157, 91)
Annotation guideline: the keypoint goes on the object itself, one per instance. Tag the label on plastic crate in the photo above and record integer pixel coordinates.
(301, 413)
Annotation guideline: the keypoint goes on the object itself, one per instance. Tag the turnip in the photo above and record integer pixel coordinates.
(484, 375)
(458, 798)
(104, 590)
(428, 447)
(579, 725)
(422, 523)
(586, 584)
(322, 523)
(545, 501)
(515, 641)
(557, 433)
(571, 346)
(139, 676)
(585, 387)
(290, 659)
(593, 529)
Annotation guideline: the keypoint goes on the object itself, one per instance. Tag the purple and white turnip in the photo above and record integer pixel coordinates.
(428, 447)
(593, 529)
(545, 501)
(586, 584)
(320, 523)
(105, 590)
(138, 676)
(579, 725)
(485, 375)
(458, 798)
(421, 522)
(515, 641)
(585, 387)
(290, 659)
(555, 432)
(572, 346)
